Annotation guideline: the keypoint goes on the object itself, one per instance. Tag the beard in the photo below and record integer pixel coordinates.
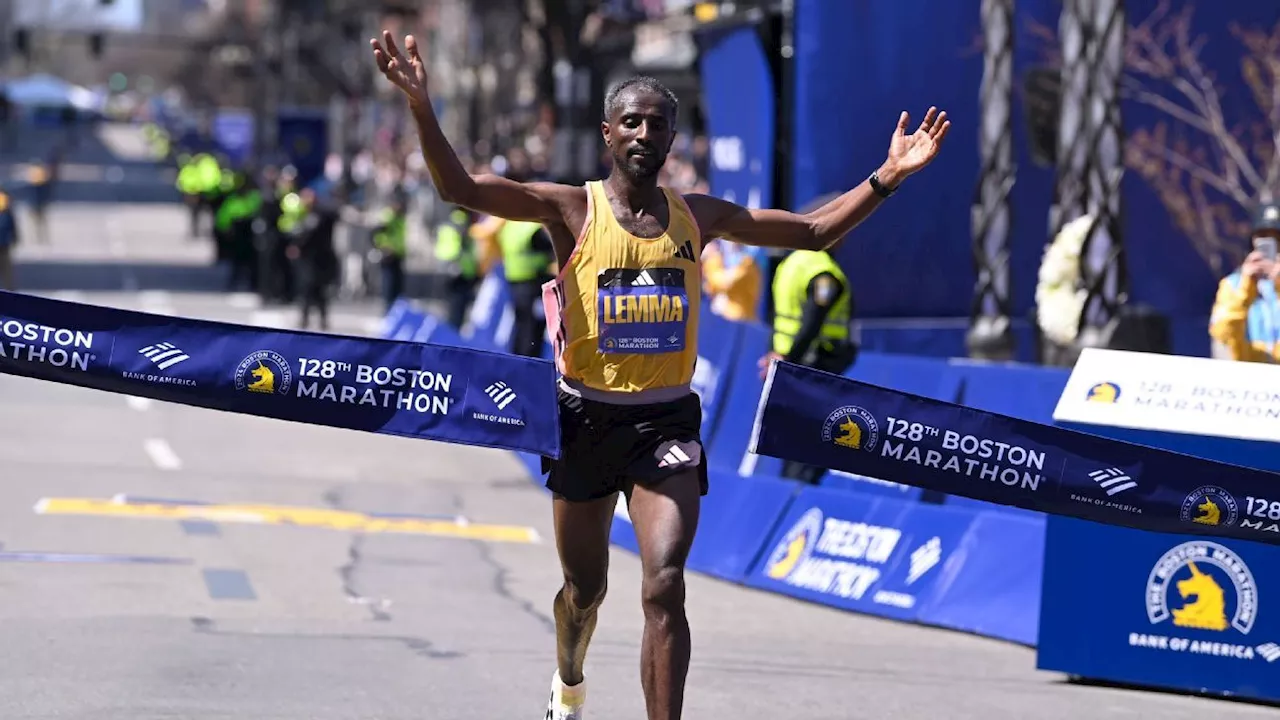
(640, 168)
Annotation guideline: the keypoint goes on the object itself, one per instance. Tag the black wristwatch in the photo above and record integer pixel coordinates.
(880, 188)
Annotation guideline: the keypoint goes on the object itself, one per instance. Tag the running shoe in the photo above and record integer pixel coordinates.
(566, 702)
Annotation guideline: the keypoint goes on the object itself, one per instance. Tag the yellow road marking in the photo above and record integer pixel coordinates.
(285, 515)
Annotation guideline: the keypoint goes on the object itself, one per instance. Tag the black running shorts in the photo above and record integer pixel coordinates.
(605, 447)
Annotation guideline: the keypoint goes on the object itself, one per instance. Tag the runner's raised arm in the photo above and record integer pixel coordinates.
(490, 194)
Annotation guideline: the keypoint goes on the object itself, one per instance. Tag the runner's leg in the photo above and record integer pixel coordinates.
(665, 517)
(582, 540)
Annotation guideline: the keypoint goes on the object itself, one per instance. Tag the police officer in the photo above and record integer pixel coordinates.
(456, 253)
(812, 302)
(526, 256)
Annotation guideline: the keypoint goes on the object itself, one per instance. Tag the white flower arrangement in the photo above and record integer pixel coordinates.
(1059, 297)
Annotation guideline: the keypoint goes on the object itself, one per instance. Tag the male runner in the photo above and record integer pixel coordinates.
(625, 313)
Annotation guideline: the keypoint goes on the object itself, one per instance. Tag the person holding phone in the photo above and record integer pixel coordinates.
(1246, 314)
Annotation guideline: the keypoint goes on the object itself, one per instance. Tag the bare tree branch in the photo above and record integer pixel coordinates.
(1208, 185)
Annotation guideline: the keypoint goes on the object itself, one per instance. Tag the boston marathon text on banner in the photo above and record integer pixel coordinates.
(433, 392)
(832, 421)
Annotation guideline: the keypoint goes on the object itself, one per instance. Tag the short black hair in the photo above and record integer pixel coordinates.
(643, 82)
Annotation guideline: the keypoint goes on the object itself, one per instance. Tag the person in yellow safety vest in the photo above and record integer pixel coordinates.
(389, 237)
(526, 256)
(190, 185)
(813, 303)
(234, 225)
(460, 265)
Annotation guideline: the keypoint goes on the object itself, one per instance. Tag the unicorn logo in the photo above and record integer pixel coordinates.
(1105, 392)
(795, 547)
(1210, 514)
(264, 372)
(1208, 611)
(1211, 587)
(264, 381)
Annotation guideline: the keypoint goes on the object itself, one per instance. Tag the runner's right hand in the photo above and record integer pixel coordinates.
(407, 73)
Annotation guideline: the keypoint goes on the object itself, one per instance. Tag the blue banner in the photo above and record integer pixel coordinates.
(738, 98)
(1162, 610)
(874, 555)
(432, 392)
(835, 422)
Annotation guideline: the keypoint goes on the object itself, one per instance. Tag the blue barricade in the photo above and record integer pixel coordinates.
(1161, 610)
(718, 341)
(993, 586)
(738, 412)
(952, 567)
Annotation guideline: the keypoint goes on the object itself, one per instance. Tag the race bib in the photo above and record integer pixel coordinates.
(642, 311)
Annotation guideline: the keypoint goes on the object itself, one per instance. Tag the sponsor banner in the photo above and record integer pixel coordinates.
(874, 555)
(835, 422)
(395, 388)
(1174, 394)
(1164, 610)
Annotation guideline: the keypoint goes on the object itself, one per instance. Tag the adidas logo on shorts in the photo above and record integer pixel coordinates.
(674, 456)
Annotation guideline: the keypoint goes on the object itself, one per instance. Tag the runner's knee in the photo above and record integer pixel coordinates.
(662, 590)
(584, 593)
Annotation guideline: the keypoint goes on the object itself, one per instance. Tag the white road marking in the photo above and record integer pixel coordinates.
(161, 454)
(138, 403)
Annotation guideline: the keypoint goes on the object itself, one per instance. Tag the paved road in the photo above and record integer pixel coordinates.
(222, 618)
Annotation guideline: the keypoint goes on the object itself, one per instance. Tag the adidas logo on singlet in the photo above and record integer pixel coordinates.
(644, 278)
(685, 252)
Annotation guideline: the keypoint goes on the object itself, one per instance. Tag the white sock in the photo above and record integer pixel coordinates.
(569, 695)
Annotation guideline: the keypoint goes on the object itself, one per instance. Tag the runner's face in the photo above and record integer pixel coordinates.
(640, 133)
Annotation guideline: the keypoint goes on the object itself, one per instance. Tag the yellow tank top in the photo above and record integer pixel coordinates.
(624, 310)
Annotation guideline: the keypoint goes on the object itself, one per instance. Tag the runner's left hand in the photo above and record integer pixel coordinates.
(910, 153)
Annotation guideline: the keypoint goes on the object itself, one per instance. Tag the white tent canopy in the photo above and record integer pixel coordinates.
(48, 91)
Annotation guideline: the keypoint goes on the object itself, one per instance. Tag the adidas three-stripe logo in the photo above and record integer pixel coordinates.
(644, 278)
(1113, 480)
(674, 456)
(164, 355)
(685, 252)
(501, 394)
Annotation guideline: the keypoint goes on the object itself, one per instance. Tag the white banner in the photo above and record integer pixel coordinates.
(1169, 393)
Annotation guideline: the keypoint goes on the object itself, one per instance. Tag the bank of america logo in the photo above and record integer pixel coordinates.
(1269, 652)
(1113, 480)
(644, 278)
(164, 355)
(501, 394)
(924, 558)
